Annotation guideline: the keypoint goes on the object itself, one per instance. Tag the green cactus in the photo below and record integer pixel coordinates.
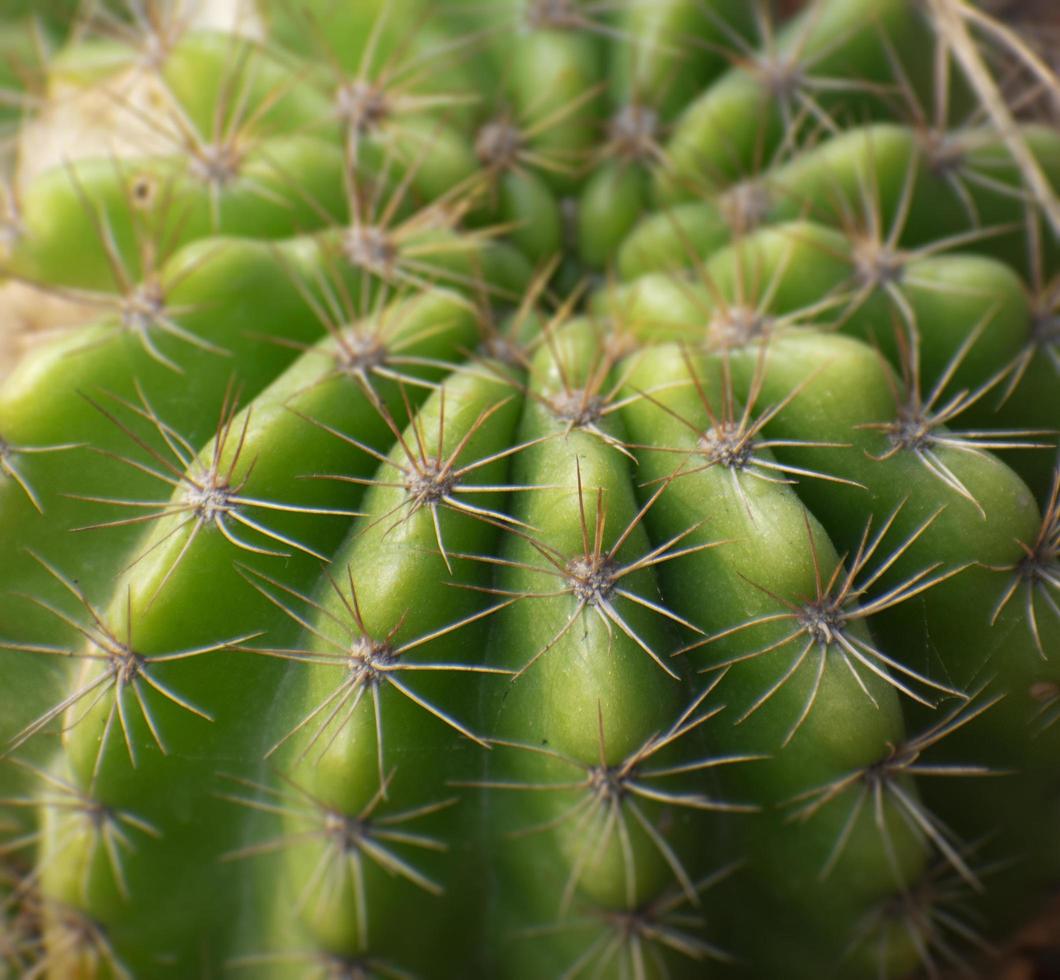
(533, 489)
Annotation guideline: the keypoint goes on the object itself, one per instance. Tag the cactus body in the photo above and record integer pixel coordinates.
(538, 489)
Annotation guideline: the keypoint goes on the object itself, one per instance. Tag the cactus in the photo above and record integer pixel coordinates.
(532, 489)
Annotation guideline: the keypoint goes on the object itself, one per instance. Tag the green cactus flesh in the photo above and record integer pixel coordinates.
(528, 489)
